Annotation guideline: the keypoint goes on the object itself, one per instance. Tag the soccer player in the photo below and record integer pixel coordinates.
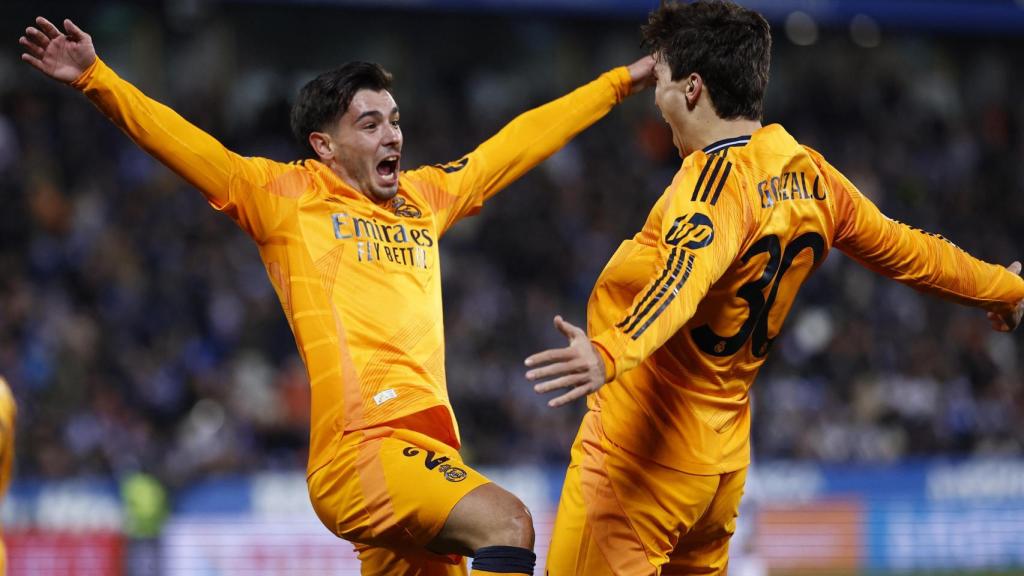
(8, 413)
(685, 313)
(350, 245)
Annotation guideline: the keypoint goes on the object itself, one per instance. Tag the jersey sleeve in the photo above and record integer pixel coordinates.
(231, 183)
(8, 417)
(703, 224)
(459, 188)
(925, 261)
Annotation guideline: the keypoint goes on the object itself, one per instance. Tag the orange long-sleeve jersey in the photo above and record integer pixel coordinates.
(685, 313)
(359, 281)
(8, 413)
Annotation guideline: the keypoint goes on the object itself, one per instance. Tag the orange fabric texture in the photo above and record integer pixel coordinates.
(359, 281)
(685, 313)
(621, 515)
(8, 415)
(392, 488)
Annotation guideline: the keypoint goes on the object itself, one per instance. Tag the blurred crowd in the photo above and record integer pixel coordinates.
(139, 331)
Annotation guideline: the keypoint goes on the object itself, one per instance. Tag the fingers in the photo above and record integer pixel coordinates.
(48, 28)
(641, 67)
(36, 37)
(73, 31)
(567, 381)
(1018, 315)
(558, 369)
(35, 62)
(31, 47)
(1014, 268)
(566, 328)
(641, 73)
(558, 354)
(574, 394)
(548, 356)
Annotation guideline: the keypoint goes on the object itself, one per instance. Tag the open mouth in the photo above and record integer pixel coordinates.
(388, 168)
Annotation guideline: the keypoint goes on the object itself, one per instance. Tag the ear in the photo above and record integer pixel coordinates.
(322, 144)
(693, 88)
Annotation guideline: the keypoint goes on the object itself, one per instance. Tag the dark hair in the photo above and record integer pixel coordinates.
(728, 45)
(325, 98)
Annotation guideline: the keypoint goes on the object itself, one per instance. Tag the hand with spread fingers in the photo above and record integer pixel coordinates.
(1008, 322)
(61, 56)
(578, 367)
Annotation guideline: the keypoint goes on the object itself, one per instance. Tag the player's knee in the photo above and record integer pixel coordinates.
(513, 526)
(487, 516)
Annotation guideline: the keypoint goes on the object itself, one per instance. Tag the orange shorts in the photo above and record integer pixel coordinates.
(389, 491)
(624, 516)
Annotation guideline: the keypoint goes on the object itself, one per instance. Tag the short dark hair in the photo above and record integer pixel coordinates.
(326, 98)
(728, 45)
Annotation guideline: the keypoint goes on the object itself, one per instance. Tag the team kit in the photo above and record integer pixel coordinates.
(678, 324)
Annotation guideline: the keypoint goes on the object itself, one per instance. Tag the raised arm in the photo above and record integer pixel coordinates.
(925, 261)
(459, 188)
(536, 134)
(70, 57)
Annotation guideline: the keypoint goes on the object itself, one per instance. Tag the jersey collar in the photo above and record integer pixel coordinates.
(727, 143)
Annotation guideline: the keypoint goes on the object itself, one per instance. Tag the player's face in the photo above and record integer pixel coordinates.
(369, 144)
(670, 97)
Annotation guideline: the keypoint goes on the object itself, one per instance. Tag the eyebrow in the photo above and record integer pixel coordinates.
(375, 113)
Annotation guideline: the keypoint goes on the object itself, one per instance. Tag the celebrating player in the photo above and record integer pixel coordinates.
(685, 313)
(350, 245)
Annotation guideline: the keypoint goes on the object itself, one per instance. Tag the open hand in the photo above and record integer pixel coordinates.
(578, 366)
(1008, 322)
(63, 57)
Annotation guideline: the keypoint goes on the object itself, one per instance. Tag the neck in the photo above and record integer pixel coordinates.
(339, 171)
(714, 129)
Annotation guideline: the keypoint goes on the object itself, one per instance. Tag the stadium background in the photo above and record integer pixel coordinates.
(163, 408)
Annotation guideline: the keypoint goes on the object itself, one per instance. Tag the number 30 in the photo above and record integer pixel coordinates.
(755, 327)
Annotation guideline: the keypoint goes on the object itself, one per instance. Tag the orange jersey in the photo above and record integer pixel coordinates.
(685, 313)
(359, 281)
(8, 414)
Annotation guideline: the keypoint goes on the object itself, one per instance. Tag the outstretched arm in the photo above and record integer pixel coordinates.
(536, 134)
(925, 261)
(459, 188)
(1008, 320)
(70, 57)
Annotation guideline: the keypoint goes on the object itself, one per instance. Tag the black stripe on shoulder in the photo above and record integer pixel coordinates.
(711, 180)
(700, 180)
(721, 183)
